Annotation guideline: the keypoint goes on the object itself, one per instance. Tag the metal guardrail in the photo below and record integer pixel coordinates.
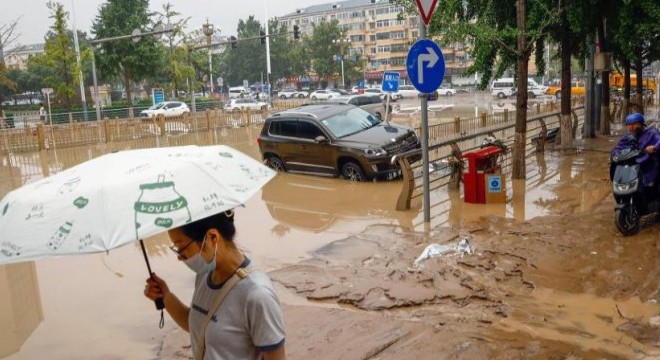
(445, 156)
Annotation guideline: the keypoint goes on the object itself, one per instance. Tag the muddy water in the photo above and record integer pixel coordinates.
(550, 276)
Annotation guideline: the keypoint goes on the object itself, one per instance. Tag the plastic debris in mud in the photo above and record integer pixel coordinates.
(433, 250)
(464, 247)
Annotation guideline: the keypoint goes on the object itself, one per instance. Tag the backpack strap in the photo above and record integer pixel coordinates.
(240, 274)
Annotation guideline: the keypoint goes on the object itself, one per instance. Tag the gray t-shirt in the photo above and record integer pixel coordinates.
(248, 321)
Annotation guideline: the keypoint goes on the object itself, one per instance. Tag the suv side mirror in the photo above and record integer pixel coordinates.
(321, 139)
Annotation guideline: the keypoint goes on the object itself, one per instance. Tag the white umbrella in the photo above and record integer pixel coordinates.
(123, 197)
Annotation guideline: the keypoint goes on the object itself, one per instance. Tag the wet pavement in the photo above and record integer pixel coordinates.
(550, 276)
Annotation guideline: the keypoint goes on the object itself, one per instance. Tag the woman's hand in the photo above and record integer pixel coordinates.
(156, 288)
(650, 149)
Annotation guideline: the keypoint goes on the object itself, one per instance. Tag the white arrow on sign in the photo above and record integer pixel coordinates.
(431, 57)
(390, 85)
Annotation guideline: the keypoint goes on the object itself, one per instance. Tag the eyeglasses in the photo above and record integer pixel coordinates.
(179, 251)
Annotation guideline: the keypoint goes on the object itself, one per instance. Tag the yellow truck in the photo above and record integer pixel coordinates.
(577, 89)
(617, 79)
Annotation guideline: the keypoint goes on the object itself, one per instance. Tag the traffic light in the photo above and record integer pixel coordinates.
(296, 32)
(232, 40)
(262, 37)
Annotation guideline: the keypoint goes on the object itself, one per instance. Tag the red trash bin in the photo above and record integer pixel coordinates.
(479, 162)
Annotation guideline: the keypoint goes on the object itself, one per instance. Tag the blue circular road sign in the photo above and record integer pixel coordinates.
(425, 66)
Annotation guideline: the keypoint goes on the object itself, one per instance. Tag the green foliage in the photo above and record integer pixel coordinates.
(322, 48)
(490, 27)
(59, 58)
(132, 61)
(176, 69)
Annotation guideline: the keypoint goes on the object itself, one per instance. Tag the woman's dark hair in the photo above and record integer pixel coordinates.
(223, 222)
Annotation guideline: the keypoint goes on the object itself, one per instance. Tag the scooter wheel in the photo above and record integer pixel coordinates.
(627, 221)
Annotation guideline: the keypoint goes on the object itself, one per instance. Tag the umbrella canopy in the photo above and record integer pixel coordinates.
(123, 197)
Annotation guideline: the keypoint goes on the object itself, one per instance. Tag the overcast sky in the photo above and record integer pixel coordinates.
(223, 14)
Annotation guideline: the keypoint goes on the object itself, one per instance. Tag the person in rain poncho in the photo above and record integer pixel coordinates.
(646, 139)
(248, 323)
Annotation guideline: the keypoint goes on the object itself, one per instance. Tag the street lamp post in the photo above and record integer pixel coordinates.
(340, 43)
(208, 30)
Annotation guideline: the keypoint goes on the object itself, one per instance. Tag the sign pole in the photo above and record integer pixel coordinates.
(425, 142)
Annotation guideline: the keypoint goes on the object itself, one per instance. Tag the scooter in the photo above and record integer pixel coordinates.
(633, 200)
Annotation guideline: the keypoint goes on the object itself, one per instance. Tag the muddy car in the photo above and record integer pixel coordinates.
(334, 140)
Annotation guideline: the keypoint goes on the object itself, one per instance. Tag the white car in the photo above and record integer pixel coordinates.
(446, 91)
(291, 94)
(323, 94)
(536, 90)
(167, 109)
(394, 96)
(408, 91)
(236, 105)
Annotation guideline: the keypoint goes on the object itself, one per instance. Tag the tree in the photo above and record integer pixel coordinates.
(60, 57)
(504, 34)
(8, 35)
(176, 60)
(637, 35)
(132, 61)
(248, 59)
(320, 46)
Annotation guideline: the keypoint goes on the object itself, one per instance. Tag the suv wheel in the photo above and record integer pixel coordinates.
(276, 163)
(501, 95)
(353, 172)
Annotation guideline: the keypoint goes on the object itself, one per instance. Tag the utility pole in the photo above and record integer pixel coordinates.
(270, 88)
(80, 74)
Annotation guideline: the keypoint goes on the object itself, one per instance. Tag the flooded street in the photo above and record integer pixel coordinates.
(550, 277)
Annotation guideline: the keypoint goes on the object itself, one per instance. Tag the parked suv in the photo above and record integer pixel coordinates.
(332, 140)
(370, 103)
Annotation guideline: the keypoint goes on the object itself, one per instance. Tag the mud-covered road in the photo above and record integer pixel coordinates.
(561, 286)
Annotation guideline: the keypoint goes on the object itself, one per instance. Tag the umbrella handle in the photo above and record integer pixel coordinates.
(160, 304)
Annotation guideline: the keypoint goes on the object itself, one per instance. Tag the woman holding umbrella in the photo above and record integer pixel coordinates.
(235, 312)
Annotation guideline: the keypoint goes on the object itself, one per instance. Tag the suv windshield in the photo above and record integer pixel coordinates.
(350, 122)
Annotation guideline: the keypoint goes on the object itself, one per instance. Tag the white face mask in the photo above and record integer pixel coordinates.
(197, 263)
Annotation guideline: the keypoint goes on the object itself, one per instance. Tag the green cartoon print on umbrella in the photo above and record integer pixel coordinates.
(80, 202)
(4, 209)
(159, 203)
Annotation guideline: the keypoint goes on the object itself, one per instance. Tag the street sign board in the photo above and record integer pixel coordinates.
(360, 85)
(47, 91)
(426, 66)
(426, 8)
(246, 84)
(391, 81)
(157, 95)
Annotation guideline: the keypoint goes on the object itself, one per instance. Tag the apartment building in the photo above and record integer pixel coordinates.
(17, 58)
(376, 33)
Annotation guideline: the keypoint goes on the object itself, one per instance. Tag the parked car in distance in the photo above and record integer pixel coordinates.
(394, 96)
(236, 105)
(323, 94)
(408, 91)
(446, 91)
(370, 103)
(291, 94)
(332, 140)
(237, 92)
(167, 109)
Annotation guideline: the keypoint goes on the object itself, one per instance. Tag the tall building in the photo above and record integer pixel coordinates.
(376, 33)
(17, 58)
